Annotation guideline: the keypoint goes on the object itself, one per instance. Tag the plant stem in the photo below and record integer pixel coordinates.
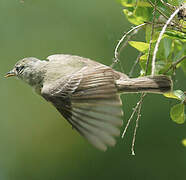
(159, 39)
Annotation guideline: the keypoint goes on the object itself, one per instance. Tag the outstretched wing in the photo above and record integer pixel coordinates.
(89, 101)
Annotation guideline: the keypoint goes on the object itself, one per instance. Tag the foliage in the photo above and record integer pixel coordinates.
(184, 142)
(171, 54)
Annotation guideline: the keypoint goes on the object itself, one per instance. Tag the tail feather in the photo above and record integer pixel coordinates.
(149, 84)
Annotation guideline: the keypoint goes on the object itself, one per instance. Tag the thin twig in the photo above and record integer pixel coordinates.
(159, 25)
(136, 3)
(129, 120)
(122, 47)
(116, 52)
(116, 55)
(133, 113)
(137, 122)
(166, 17)
(178, 61)
(120, 65)
(120, 50)
(143, 94)
(168, 5)
(159, 39)
(134, 65)
(150, 44)
(126, 42)
(174, 64)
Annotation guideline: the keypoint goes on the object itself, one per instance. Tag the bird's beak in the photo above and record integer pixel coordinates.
(10, 73)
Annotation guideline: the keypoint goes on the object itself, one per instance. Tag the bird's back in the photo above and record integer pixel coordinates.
(62, 65)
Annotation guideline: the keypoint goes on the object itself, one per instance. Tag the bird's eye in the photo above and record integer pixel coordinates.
(19, 68)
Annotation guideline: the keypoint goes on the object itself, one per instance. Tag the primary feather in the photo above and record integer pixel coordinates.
(88, 99)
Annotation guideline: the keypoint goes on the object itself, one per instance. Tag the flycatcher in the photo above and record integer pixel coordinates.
(85, 92)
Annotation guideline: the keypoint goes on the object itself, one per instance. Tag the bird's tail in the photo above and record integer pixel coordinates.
(149, 84)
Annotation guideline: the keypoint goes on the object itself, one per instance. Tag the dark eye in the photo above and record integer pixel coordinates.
(19, 68)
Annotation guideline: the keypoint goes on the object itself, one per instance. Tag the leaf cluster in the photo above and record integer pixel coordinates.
(171, 53)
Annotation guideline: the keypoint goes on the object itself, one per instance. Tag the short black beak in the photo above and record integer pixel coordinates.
(10, 73)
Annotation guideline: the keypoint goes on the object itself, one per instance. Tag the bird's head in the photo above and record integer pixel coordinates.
(28, 69)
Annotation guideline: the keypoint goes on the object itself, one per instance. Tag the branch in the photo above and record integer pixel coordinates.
(166, 17)
(134, 65)
(138, 110)
(137, 122)
(150, 44)
(157, 9)
(159, 39)
(168, 5)
(174, 64)
(129, 120)
(116, 51)
(133, 113)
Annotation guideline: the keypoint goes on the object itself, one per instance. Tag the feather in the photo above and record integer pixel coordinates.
(89, 101)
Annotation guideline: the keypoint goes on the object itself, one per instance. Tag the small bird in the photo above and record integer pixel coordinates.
(85, 92)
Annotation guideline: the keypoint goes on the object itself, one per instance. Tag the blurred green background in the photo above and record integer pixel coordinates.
(36, 143)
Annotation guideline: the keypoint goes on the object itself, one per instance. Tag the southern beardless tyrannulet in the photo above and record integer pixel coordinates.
(85, 92)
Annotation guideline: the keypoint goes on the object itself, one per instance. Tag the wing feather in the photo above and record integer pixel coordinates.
(89, 101)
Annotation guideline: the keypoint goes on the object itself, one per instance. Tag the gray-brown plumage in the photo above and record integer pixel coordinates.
(86, 92)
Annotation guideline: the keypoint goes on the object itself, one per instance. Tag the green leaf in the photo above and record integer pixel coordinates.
(138, 15)
(184, 142)
(180, 94)
(170, 95)
(144, 57)
(144, 13)
(128, 3)
(161, 51)
(167, 46)
(177, 94)
(133, 3)
(132, 18)
(140, 46)
(183, 66)
(148, 33)
(148, 30)
(179, 50)
(177, 113)
(160, 65)
(175, 2)
(142, 63)
(175, 35)
(165, 68)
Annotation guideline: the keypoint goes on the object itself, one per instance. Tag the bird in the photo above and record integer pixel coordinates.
(86, 93)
